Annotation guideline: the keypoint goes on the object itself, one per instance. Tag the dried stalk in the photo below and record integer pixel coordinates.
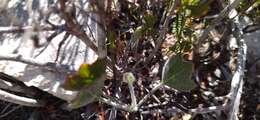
(149, 94)
(115, 104)
(237, 81)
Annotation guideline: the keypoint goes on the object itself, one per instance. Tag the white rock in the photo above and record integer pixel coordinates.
(73, 53)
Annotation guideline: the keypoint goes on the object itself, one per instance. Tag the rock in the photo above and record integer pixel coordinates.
(73, 51)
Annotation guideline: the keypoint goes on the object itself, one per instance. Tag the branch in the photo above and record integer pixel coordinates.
(237, 81)
(68, 13)
(16, 29)
(20, 58)
(208, 109)
(10, 111)
(116, 104)
(30, 61)
(149, 94)
(175, 110)
(20, 100)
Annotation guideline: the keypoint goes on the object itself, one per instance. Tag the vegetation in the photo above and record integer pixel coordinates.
(129, 59)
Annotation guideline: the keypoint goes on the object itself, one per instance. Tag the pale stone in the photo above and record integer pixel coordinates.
(73, 53)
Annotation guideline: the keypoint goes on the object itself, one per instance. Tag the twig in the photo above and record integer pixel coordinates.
(174, 110)
(10, 111)
(149, 94)
(5, 108)
(30, 61)
(208, 109)
(65, 37)
(16, 29)
(237, 81)
(48, 40)
(20, 58)
(115, 104)
(20, 100)
(72, 26)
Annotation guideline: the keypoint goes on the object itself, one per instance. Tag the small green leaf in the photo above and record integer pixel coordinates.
(200, 9)
(138, 33)
(83, 71)
(88, 81)
(149, 20)
(177, 74)
(86, 96)
(111, 36)
(85, 76)
(189, 2)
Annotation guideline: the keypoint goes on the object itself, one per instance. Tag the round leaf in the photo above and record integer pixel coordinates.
(177, 74)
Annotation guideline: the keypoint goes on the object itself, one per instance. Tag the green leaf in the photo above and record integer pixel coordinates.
(189, 2)
(138, 33)
(88, 81)
(111, 36)
(149, 20)
(87, 95)
(199, 9)
(85, 76)
(177, 74)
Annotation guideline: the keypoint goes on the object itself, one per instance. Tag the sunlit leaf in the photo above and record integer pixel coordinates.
(177, 74)
(88, 81)
(85, 76)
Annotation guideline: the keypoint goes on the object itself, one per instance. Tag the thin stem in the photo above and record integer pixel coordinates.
(237, 81)
(116, 104)
(149, 94)
(30, 61)
(10, 111)
(16, 29)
